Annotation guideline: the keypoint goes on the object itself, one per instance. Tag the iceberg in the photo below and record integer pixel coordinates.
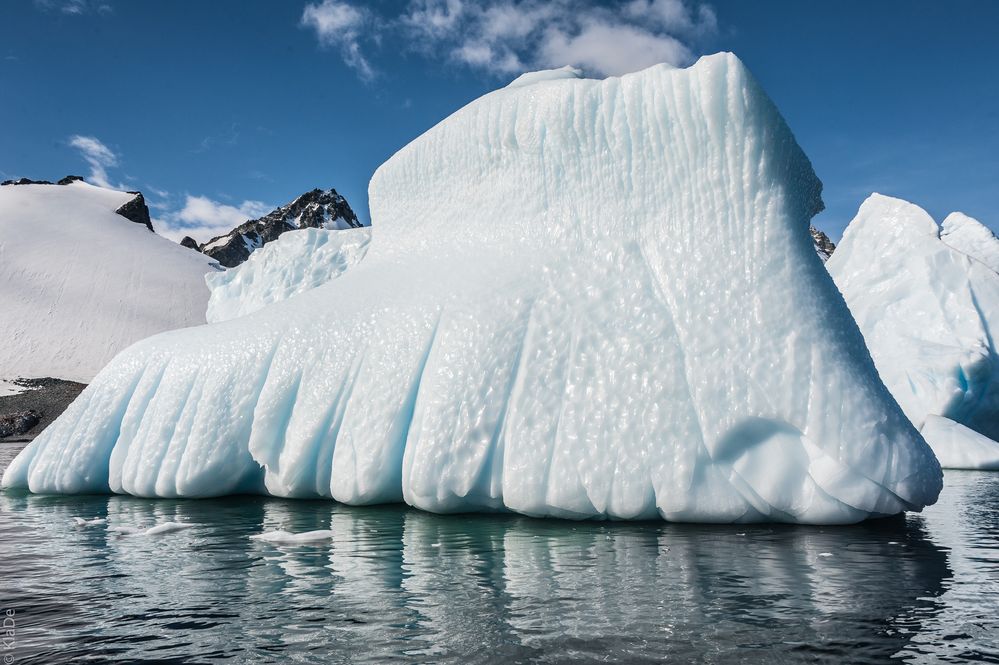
(958, 447)
(294, 263)
(926, 298)
(581, 299)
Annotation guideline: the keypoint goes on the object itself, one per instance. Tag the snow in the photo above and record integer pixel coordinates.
(958, 447)
(8, 387)
(583, 299)
(969, 236)
(530, 78)
(926, 309)
(294, 263)
(79, 283)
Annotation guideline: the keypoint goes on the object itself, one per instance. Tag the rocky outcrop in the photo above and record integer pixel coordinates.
(25, 181)
(824, 247)
(318, 209)
(26, 414)
(136, 211)
(190, 243)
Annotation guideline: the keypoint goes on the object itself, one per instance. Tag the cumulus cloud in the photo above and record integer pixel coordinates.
(98, 156)
(339, 25)
(203, 218)
(503, 37)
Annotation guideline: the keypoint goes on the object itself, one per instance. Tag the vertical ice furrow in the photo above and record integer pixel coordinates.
(330, 430)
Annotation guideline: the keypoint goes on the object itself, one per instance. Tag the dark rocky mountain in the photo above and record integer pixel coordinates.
(824, 247)
(134, 211)
(318, 209)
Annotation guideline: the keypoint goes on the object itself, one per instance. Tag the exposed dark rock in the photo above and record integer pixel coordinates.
(25, 181)
(190, 243)
(45, 398)
(315, 209)
(70, 178)
(824, 247)
(12, 424)
(136, 211)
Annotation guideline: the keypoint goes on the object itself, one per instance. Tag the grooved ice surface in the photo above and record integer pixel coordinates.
(581, 299)
(294, 263)
(927, 302)
(79, 283)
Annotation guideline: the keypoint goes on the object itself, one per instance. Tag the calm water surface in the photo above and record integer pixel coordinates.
(397, 585)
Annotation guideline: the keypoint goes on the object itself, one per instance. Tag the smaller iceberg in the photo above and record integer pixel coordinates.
(926, 298)
(958, 447)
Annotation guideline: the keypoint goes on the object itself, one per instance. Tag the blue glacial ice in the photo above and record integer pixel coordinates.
(580, 299)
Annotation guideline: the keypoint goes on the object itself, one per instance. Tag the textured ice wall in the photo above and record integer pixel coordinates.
(584, 298)
(927, 304)
(294, 263)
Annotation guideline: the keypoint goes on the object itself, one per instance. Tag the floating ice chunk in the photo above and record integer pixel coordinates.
(281, 536)
(168, 527)
(294, 263)
(582, 299)
(79, 521)
(928, 311)
(958, 447)
(165, 527)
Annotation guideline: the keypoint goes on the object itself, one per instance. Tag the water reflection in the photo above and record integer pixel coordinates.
(397, 584)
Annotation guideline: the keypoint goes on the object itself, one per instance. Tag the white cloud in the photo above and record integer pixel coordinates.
(99, 156)
(505, 37)
(611, 49)
(203, 218)
(338, 24)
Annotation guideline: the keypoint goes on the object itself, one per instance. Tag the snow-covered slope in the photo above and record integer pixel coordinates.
(294, 263)
(927, 310)
(584, 298)
(79, 283)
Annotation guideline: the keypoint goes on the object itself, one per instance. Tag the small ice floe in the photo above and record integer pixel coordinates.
(282, 536)
(893, 542)
(165, 527)
(825, 554)
(79, 521)
(168, 527)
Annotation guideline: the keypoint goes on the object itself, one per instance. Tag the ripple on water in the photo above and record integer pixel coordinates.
(398, 584)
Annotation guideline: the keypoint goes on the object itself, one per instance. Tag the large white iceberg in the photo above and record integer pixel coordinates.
(958, 447)
(581, 299)
(927, 300)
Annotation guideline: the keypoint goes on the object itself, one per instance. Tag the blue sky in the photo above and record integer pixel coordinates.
(222, 110)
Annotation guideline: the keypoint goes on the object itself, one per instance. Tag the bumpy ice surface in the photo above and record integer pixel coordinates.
(294, 263)
(79, 283)
(582, 299)
(927, 301)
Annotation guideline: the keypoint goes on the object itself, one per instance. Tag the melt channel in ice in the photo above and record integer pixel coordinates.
(926, 298)
(581, 299)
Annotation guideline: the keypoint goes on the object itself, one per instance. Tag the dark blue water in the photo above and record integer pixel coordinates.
(398, 585)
